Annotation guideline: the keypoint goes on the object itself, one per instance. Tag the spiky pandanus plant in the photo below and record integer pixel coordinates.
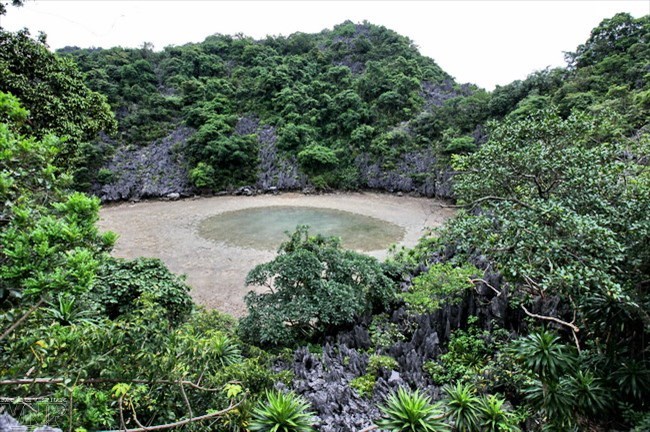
(411, 411)
(282, 412)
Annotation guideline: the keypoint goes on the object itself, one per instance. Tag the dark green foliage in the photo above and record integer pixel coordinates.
(557, 199)
(559, 234)
(315, 286)
(316, 158)
(473, 357)
(328, 95)
(120, 283)
(544, 355)
(558, 193)
(560, 392)
(223, 160)
(54, 91)
(463, 406)
(407, 411)
(282, 412)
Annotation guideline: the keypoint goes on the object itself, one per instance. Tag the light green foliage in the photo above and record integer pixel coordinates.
(442, 283)
(384, 333)
(378, 362)
(139, 345)
(120, 283)
(407, 411)
(412, 257)
(282, 412)
(316, 285)
(202, 175)
(495, 417)
(364, 384)
(48, 240)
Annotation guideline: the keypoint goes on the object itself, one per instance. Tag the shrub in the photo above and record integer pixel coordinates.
(463, 406)
(121, 282)
(105, 176)
(495, 417)
(364, 384)
(405, 410)
(282, 412)
(378, 362)
(469, 355)
(442, 282)
(316, 286)
(384, 333)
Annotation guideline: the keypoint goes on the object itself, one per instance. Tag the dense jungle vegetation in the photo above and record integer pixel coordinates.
(528, 311)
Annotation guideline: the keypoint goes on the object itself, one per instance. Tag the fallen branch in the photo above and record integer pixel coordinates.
(572, 326)
(181, 422)
(487, 284)
(15, 325)
(187, 401)
(28, 381)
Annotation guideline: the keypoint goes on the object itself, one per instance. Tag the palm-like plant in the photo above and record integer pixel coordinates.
(66, 311)
(633, 378)
(224, 349)
(411, 411)
(553, 398)
(282, 412)
(463, 406)
(589, 392)
(544, 355)
(494, 416)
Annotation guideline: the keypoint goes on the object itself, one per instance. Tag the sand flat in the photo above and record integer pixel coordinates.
(216, 271)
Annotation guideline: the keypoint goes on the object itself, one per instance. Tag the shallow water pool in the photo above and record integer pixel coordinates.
(264, 228)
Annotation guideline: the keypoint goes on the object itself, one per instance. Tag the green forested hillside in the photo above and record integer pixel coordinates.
(528, 311)
(352, 107)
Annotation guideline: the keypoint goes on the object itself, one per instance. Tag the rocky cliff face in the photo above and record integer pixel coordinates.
(324, 379)
(416, 172)
(157, 170)
(160, 171)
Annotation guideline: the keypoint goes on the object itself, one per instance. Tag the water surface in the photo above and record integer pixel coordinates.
(264, 228)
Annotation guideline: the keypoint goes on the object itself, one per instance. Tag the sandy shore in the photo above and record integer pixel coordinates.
(216, 271)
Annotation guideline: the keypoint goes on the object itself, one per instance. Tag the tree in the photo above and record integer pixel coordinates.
(314, 286)
(49, 243)
(559, 209)
(53, 90)
(316, 158)
(3, 6)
